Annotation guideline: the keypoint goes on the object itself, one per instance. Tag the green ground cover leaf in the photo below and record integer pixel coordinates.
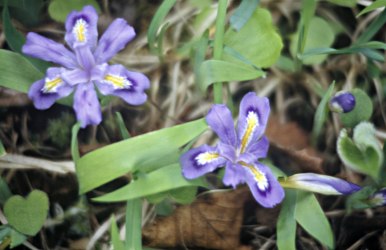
(5, 192)
(161, 180)
(257, 40)
(116, 242)
(27, 215)
(27, 12)
(212, 71)
(311, 217)
(59, 9)
(362, 111)
(344, 3)
(320, 35)
(141, 153)
(362, 153)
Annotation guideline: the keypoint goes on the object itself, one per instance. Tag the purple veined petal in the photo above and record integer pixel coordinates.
(81, 28)
(48, 50)
(128, 85)
(86, 105)
(114, 39)
(234, 174)
(199, 161)
(219, 118)
(227, 151)
(322, 184)
(256, 150)
(263, 185)
(75, 76)
(85, 58)
(40, 99)
(253, 117)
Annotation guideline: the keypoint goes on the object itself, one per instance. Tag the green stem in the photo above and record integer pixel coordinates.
(134, 224)
(219, 44)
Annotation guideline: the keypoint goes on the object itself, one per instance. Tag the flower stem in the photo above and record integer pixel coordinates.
(218, 44)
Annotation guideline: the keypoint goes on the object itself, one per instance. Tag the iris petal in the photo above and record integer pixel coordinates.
(81, 28)
(128, 85)
(253, 117)
(48, 50)
(263, 185)
(86, 105)
(114, 39)
(234, 174)
(219, 118)
(199, 161)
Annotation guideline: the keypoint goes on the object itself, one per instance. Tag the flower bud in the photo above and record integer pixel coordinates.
(342, 102)
(378, 198)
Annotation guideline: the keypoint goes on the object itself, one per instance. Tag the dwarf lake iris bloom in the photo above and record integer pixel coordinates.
(85, 66)
(317, 183)
(378, 198)
(238, 151)
(342, 102)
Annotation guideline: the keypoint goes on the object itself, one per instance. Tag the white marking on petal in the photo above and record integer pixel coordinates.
(52, 84)
(117, 81)
(206, 157)
(260, 178)
(80, 30)
(252, 123)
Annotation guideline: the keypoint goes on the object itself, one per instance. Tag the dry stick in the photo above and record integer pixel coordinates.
(359, 242)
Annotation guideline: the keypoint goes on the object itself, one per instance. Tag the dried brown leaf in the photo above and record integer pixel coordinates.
(213, 221)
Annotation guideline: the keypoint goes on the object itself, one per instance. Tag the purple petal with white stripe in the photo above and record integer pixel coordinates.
(323, 184)
(114, 39)
(128, 85)
(263, 185)
(199, 161)
(81, 28)
(257, 150)
(48, 50)
(253, 117)
(86, 105)
(219, 118)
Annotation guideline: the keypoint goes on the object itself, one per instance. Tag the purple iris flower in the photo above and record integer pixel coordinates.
(318, 183)
(238, 151)
(378, 198)
(85, 66)
(342, 102)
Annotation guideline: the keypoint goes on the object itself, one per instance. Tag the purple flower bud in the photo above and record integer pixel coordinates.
(342, 102)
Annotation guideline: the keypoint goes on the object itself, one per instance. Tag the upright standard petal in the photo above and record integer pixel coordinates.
(81, 28)
(263, 185)
(253, 117)
(199, 161)
(86, 105)
(234, 174)
(219, 118)
(48, 50)
(317, 183)
(114, 39)
(256, 150)
(128, 85)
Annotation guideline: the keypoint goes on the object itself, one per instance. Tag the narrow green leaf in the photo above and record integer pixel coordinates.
(344, 3)
(2, 150)
(74, 142)
(121, 125)
(321, 113)
(160, 180)
(362, 111)
(311, 217)
(286, 223)
(156, 23)
(145, 153)
(221, 71)
(134, 224)
(28, 12)
(59, 9)
(199, 51)
(242, 14)
(115, 239)
(5, 192)
(257, 41)
(375, 5)
(14, 38)
(16, 72)
(372, 29)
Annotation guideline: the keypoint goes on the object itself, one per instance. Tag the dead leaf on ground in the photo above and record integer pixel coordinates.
(213, 221)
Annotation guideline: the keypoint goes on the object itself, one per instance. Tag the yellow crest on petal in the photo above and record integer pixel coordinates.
(252, 123)
(51, 85)
(207, 157)
(118, 82)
